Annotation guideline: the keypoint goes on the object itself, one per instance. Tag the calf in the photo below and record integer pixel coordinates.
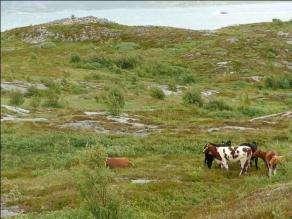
(271, 160)
(118, 162)
(253, 147)
(223, 155)
(209, 158)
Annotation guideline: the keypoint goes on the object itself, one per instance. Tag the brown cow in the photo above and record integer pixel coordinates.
(271, 159)
(118, 162)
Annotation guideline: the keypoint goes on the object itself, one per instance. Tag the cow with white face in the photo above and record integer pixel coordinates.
(224, 155)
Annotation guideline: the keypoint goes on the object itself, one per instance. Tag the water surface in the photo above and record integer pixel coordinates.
(191, 14)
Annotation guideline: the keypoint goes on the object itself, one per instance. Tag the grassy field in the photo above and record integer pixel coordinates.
(55, 172)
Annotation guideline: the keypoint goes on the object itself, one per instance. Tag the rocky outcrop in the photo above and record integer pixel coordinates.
(81, 20)
(20, 86)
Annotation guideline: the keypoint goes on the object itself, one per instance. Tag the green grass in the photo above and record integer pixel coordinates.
(52, 172)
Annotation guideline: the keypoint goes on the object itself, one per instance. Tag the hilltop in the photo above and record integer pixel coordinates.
(78, 89)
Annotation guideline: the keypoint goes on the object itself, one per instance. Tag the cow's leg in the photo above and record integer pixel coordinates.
(243, 165)
(270, 171)
(250, 163)
(256, 162)
(274, 170)
(224, 164)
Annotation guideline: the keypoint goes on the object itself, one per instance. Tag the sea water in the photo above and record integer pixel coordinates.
(198, 15)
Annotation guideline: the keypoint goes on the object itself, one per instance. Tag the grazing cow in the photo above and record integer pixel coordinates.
(271, 160)
(253, 147)
(209, 158)
(118, 162)
(223, 155)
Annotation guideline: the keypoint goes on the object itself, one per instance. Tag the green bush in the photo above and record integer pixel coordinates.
(75, 58)
(249, 111)
(157, 93)
(192, 97)
(92, 157)
(186, 78)
(99, 198)
(114, 100)
(16, 98)
(127, 62)
(217, 105)
(278, 82)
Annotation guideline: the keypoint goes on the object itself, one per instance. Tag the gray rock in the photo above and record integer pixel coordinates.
(10, 118)
(282, 34)
(237, 128)
(232, 40)
(141, 181)
(20, 86)
(16, 109)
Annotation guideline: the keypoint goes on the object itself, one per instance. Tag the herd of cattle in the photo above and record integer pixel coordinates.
(223, 154)
(244, 153)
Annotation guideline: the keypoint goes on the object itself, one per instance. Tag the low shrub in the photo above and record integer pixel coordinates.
(192, 97)
(16, 98)
(186, 78)
(217, 105)
(93, 157)
(249, 111)
(127, 62)
(278, 82)
(157, 93)
(75, 58)
(114, 100)
(99, 198)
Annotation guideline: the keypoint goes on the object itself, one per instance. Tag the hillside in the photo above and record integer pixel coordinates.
(86, 88)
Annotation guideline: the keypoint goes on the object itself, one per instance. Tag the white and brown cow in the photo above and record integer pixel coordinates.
(223, 155)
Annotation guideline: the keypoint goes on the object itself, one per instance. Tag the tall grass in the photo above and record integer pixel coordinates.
(278, 82)
(16, 98)
(157, 93)
(114, 99)
(192, 97)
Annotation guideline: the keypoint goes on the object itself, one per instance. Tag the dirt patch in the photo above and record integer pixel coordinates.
(102, 123)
